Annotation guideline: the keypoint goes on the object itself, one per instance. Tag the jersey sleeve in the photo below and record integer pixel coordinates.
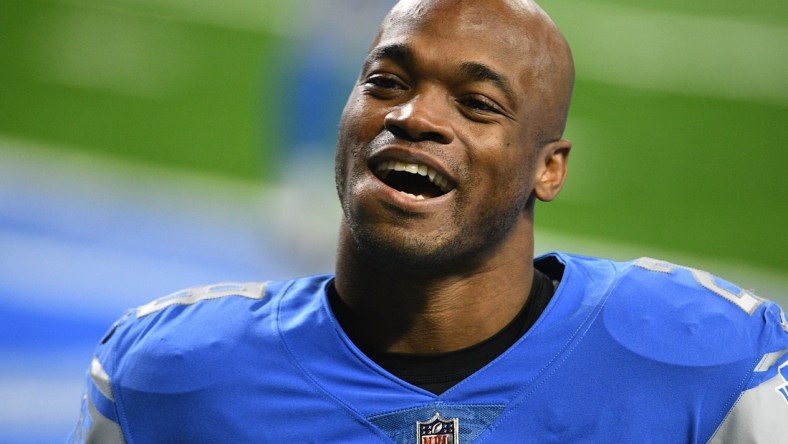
(98, 419)
(761, 412)
(739, 328)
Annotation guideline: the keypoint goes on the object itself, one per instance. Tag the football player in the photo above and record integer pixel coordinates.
(438, 325)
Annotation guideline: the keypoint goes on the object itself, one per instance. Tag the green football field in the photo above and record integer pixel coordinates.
(679, 119)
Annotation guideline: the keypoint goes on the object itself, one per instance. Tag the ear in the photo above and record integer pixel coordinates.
(551, 169)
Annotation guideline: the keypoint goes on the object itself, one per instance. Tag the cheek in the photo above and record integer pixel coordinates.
(357, 128)
(361, 120)
(515, 173)
(506, 160)
(351, 134)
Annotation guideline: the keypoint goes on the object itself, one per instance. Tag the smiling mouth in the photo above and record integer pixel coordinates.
(417, 181)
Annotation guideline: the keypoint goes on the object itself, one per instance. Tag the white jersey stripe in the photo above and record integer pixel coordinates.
(101, 379)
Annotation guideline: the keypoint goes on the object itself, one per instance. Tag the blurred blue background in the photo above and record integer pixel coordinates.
(148, 146)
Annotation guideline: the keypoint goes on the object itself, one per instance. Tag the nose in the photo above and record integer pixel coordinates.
(425, 117)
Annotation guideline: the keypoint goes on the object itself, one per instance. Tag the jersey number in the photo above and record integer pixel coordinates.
(744, 299)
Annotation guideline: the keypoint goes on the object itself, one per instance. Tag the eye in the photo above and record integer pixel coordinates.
(382, 82)
(479, 104)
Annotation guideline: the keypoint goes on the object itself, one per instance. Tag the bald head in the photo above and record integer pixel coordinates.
(526, 34)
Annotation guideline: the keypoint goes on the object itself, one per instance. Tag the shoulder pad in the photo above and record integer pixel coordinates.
(683, 316)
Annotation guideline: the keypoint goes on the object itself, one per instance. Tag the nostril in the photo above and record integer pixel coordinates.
(410, 134)
(418, 123)
(399, 132)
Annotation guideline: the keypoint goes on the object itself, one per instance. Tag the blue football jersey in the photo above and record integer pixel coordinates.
(642, 351)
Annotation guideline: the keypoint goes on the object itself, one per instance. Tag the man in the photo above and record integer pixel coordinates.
(438, 326)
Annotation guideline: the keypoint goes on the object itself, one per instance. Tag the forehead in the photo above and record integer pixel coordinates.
(494, 23)
(489, 33)
(481, 9)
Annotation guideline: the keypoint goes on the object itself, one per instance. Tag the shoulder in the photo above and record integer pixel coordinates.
(671, 313)
(680, 282)
(720, 339)
(193, 342)
(184, 322)
(198, 324)
(206, 308)
(687, 316)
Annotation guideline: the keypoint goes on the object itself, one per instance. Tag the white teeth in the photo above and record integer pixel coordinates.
(442, 182)
(419, 197)
(386, 167)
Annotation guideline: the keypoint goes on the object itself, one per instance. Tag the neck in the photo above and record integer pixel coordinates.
(398, 309)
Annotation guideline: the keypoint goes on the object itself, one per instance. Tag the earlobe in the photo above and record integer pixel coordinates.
(551, 169)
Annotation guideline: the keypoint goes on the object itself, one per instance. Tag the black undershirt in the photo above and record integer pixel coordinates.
(438, 372)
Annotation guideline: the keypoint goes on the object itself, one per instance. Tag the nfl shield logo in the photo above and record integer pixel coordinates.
(437, 431)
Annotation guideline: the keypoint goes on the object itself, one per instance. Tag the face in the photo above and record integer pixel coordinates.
(441, 147)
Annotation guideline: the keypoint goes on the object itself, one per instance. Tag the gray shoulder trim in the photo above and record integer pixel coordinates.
(252, 290)
(769, 359)
(760, 414)
(102, 430)
(784, 321)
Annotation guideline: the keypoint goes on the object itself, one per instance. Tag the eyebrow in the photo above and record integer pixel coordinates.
(397, 53)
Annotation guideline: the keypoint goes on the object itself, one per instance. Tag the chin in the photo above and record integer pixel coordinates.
(403, 251)
(447, 253)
